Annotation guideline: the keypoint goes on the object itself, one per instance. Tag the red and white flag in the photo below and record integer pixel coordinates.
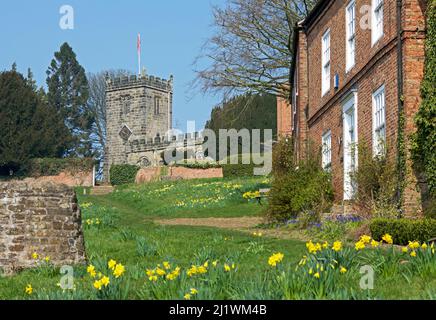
(139, 43)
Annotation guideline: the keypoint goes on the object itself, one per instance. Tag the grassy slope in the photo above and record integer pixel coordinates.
(127, 215)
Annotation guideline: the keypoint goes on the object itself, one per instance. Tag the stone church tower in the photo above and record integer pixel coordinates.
(139, 118)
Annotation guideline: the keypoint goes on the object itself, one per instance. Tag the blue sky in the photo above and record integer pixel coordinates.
(104, 37)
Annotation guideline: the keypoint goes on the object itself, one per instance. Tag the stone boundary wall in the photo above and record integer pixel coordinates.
(188, 173)
(42, 218)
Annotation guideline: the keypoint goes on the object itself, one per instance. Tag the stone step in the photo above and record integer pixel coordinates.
(101, 190)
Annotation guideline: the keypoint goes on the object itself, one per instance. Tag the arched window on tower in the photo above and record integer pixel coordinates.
(157, 104)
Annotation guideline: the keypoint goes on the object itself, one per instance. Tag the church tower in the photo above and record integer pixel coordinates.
(138, 119)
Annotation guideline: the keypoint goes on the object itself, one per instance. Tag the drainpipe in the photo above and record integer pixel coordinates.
(400, 99)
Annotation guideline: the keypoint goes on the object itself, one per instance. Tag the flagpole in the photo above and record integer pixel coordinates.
(139, 54)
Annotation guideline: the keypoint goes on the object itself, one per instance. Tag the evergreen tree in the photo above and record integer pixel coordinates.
(29, 128)
(68, 93)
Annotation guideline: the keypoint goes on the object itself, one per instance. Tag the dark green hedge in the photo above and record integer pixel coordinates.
(238, 170)
(123, 174)
(54, 166)
(404, 230)
(197, 165)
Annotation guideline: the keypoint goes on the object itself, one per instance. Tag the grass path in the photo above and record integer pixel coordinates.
(224, 223)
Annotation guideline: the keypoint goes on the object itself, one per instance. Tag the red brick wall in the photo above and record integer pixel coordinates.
(78, 179)
(413, 21)
(284, 121)
(187, 173)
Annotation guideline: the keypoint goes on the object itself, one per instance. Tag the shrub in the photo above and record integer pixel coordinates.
(54, 166)
(197, 165)
(306, 188)
(238, 170)
(283, 156)
(123, 174)
(404, 230)
(376, 179)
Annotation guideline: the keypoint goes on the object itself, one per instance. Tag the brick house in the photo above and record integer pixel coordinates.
(357, 65)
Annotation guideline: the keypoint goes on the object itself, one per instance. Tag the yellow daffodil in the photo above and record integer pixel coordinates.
(405, 249)
(365, 239)
(414, 245)
(202, 269)
(150, 272)
(111, 264)
(424, 246)
(325, 245)
(194, 291)
(105, 281)
(98, 284)
(343, 270)
(317, 275)
(47, 259)
(187, 296)
(388, 239)
(413, 253)
(35, 256)
(91, 270)
(166, 265)
(337, 246)
(310, 271)
(215, 263)
(192, 271)
(226, 267)
(29, 289)
(119, 270)
(275, 259)
(152, 278)
(160, 272)
(359, 245)
(375, 244)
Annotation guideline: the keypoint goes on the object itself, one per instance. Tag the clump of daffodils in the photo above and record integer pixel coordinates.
(195, 270)
(275, 259)
(415, 246)
(251, 195)
(312, 247)
(102, 281)
(163, 271)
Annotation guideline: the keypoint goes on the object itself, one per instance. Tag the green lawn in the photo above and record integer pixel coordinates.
(120, 226)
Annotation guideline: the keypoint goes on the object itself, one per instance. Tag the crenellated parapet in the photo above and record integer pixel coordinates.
(132, 81)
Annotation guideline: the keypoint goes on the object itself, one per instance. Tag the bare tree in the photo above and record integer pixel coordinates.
(97, 106)
(251, 49)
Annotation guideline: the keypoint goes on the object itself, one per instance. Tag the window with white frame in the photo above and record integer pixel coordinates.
(377, 20)
(379, 121)
(351, 34)
(327, 150)
(325, 62)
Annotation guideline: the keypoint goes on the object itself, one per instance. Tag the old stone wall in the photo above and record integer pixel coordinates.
(41, 218)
